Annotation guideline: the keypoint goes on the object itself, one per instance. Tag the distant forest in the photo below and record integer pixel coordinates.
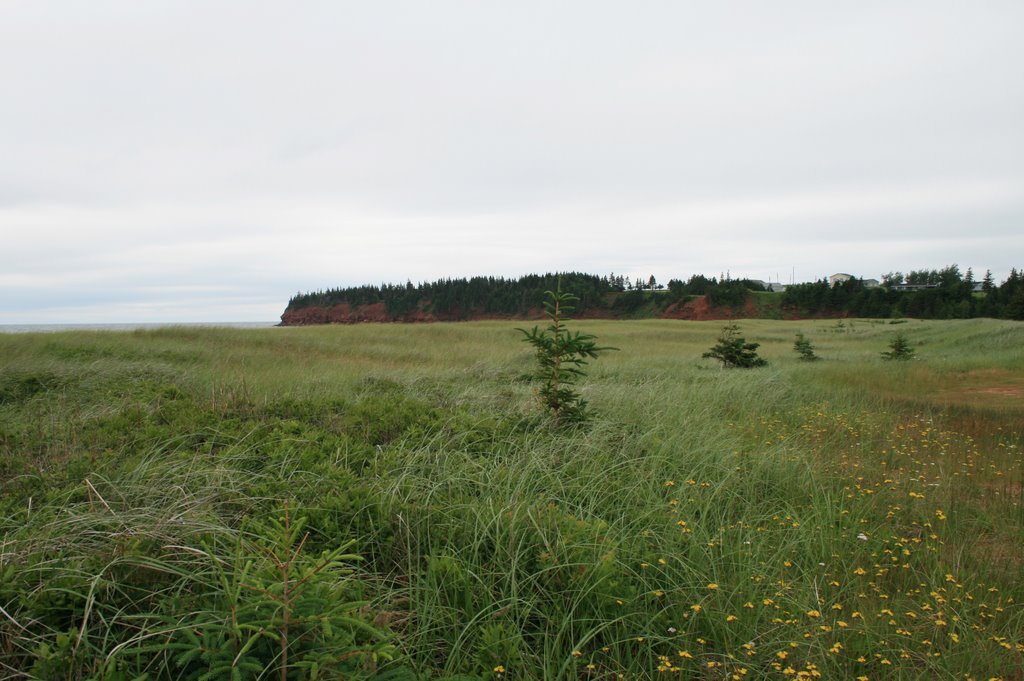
(611, 295)
(923, 294)
(926, 294)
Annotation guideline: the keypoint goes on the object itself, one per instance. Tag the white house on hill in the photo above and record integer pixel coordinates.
(843, 276)
(773, 286)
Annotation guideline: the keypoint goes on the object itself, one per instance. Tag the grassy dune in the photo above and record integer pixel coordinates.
(384, 501)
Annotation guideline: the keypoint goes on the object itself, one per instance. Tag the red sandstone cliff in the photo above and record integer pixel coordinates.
(697, 309)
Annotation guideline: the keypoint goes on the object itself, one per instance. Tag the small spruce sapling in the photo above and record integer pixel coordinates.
(899, 349)
(561, 356)
(733, 350)
(275, 606)
(803, 347)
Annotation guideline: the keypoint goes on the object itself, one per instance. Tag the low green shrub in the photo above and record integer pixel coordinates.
(899, 349)
(733, 350)
(804, 349)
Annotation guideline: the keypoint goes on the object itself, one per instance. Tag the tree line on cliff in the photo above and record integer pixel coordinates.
(932, 294)
(460, 298)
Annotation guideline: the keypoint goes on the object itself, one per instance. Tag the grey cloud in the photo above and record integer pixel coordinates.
(322, 144)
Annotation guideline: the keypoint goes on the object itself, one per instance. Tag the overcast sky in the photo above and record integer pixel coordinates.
(203, 161)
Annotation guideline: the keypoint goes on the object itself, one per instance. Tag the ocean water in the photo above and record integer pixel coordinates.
(36, 328)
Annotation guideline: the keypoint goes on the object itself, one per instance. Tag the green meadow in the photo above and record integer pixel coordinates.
(387, 502)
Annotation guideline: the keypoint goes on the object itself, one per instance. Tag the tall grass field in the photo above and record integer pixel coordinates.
(389, 502)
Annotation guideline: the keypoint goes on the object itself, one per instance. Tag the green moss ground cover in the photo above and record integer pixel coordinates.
(385, 501)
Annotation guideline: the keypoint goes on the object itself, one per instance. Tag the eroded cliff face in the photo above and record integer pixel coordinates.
(700, 310)
(337, 314)
(696, 310)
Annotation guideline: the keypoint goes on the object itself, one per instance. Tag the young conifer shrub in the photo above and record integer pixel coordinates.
(277, 607)
(899, 349)
(733, 350)
(803, 347)
(561, 356)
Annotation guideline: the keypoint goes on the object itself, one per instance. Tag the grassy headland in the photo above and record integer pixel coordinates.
(846, 518)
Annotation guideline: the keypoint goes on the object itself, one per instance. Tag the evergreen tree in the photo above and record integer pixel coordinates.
(561, 356)
(733, 350)
(803, 347)
(987, 284)
(899, 349)
(1015, 306)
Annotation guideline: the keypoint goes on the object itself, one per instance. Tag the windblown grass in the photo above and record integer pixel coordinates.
(842, 519)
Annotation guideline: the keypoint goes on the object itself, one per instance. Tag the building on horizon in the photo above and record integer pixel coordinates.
(843, 276)
(773, 286)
